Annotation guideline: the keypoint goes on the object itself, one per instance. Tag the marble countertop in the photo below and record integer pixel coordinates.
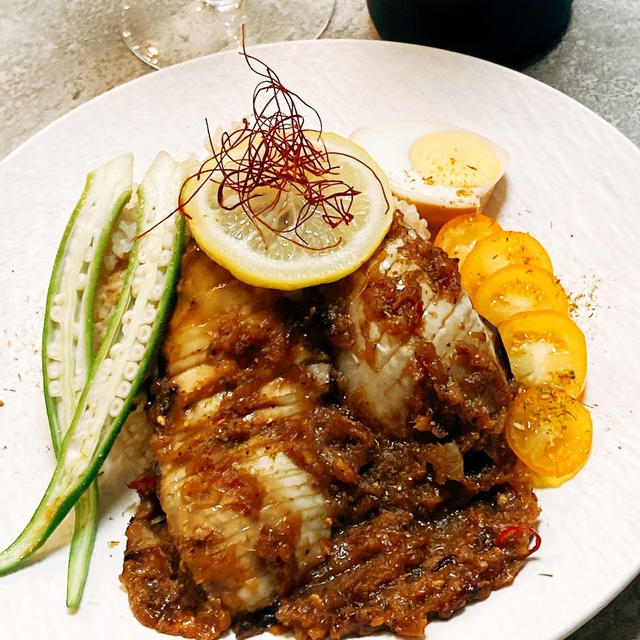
(57, 54)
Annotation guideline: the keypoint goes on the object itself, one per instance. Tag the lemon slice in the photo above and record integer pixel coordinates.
(281, 251)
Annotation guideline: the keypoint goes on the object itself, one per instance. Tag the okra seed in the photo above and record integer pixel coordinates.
(56, 313)
(116, 407)
(55, 389)
(143, 333)
(109, 262)
(54, 351)
(156, 293)
(130, 371)
(116, 350)
(54, 370)
(149, 314)
(107, 365)
(124, 387)
(136, 283)
(137, 351)
(81, 281)
(88, 254)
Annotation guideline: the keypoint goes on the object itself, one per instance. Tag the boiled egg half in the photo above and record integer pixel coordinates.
(443, 170)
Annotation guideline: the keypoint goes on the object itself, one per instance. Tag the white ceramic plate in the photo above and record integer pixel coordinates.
(572, 182)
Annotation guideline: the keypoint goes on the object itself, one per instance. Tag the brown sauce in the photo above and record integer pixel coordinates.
(412, 514)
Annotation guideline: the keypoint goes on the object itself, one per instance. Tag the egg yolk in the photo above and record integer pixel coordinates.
(455, 158)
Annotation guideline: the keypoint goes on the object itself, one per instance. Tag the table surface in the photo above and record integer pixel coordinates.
(58, 54)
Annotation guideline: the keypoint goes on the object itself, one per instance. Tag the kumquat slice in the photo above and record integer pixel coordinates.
(546, 347)
(551, 482)
(549, 431)
(519, 288)
(458, 236)
(501, 250)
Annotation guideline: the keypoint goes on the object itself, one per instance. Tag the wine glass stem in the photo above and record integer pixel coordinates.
(223, 5)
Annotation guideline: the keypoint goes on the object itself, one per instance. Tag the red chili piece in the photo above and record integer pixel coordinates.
(507, 533)
(144, 485)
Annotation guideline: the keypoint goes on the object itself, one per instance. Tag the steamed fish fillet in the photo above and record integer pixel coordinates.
(240, 385)
(411, 350)
(283, 499)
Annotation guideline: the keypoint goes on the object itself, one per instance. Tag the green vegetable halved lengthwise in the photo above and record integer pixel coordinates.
(67, 337)
(120, 366)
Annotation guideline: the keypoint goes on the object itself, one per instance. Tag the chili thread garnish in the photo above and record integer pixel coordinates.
(504, 536)
(273, 157)
(276, 154)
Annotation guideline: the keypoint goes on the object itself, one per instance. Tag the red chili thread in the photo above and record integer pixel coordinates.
(275, 154)
(507, 533)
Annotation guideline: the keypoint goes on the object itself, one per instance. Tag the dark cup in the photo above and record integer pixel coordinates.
(509, 32)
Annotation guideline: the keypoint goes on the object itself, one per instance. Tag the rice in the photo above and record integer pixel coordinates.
(412, 218)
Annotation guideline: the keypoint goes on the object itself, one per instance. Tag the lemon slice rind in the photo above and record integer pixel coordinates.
(302, 267)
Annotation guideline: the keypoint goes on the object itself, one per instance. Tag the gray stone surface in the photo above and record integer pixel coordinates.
(598, 62)
(57, 54)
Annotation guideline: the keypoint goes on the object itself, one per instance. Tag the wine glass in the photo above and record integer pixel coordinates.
(165, 32)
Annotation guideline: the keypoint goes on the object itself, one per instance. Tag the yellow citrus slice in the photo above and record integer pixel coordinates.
(550, 432)
(282, 242)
